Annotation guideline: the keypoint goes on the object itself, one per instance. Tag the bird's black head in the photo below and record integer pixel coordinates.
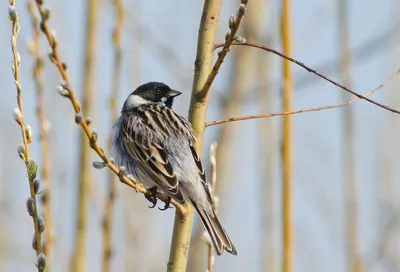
(151, 92)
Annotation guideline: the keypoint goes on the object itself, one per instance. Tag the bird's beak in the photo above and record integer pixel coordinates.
(173, 93)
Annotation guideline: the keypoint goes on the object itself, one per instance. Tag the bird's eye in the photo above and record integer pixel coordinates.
(158, 91)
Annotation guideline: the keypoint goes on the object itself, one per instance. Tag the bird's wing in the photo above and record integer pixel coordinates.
(149, 151)
(197, 159)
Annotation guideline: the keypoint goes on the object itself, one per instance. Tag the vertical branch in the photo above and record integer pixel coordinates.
(43, 129)
(197, 113)
(23, 150)
(243, 60)
(107, 228)
(348, 140)
(287, 196)
(78, 261)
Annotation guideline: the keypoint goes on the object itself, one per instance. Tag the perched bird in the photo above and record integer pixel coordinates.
(157, 147)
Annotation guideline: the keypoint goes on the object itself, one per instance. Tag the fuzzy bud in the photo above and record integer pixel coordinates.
(206, 238)
(28, 133)
(13, 68)
(215, 203)
(130, 177)
(78, 118)
(32, 168)
(112, 160)
(34, 245)
(122, 170)
(94, 136)
(227, 36)
(88, 120)
(17, 116)
(232, 22)
(36, 186)
(239, 39)
(41, 223)
(41, 262)
(242, 10)
(21, 151)
(30, 206)
(99, 164)
(64, 66)
(41, 26)
(51, 55)
(12, 14)
(62, 91)
(46, 14)
(54, 39)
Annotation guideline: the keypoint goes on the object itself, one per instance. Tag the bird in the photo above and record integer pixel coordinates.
(157, 147)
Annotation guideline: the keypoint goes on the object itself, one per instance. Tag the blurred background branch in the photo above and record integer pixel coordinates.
(112, 183)
(79, 257)
(287, 149)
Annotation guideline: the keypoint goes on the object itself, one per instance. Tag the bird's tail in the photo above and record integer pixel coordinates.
(218, 235)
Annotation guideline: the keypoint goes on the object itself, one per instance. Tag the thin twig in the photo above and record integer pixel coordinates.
(92, 137)
(43, 129)
(266, 115)
(26, 132)
(107, 222)
(234, 26)
(311, 71)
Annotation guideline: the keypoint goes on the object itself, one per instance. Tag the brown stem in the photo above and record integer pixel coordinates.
(43, 130)
(201, 95)
(266, 115)
(197, 113)
(85, 171)
(76, 106)
(13, 16)
(282, 55)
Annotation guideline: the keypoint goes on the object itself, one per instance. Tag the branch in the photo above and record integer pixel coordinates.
(108, 217)
(43, 128)
(66, 91)
(234, 24)
(180, 242)
(23, 150)
(311, 71)
(266, 115)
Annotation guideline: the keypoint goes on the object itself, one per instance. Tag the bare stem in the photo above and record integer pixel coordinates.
(197, 113)
(31, 165)
(92, 137)
(266, 115)
(287, 143)
(107, 222)
(225, 49)
(43, 129)
(282, 55)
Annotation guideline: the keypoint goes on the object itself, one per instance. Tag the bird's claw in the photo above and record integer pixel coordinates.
(152, 197)
(167, 204)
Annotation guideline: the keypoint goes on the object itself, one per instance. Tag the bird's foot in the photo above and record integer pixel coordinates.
(167, 204)
(152, 197)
